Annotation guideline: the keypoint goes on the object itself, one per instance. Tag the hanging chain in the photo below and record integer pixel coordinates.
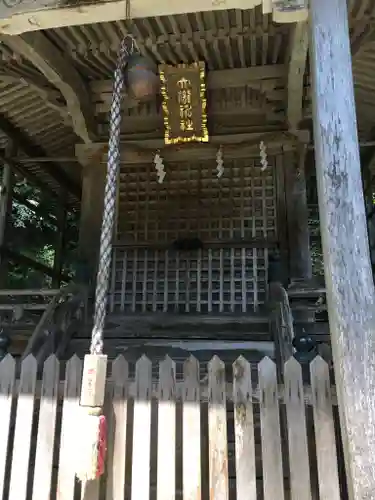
(109, 212)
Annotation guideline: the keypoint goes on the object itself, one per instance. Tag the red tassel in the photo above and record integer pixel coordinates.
(102, 445)
(93, 448)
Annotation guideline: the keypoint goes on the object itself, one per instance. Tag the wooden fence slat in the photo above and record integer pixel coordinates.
(117, 430)
(166, 469)
(329, 488)
(191, 432)
(72, 389)
(273, 483)
(244, 430)
(46, 430)
(217, 430)
(140, 487)
(22, 434)
(7, 378)
(300, 483)
(90, 490)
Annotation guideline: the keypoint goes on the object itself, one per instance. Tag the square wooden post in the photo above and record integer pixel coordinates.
(6, 201)
(92, 204)
(298, 217)
(349, 281)
(60, 243)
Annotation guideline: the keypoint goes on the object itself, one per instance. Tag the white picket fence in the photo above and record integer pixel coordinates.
(174, 424)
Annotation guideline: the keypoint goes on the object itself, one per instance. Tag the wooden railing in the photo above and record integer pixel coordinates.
(66, 312)
(57, 315)
(281, 323)
(176, 438)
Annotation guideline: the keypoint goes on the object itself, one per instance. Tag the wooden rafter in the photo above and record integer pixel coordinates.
(38, 50)
(51, 96)
(25, 144)
(364, 33)
(296, 72)
(41, 14)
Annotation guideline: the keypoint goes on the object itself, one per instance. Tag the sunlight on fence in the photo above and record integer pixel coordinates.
(236, 435)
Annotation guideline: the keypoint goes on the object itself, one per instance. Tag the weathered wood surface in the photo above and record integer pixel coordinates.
(228, 465)
(282, 325)
(300, 484)
(349, 279)
(298, 48)
(166, 455)
(324, 431)
(217, 431)
(40, 52)
(35, 15)
(142, 151)
(22, 433)
(140, 487)
(244, 430)
(46, 430)
(300, 263)
(7, 375)
(69, 434)
(191, 428)
(273, 485)
(117, 424)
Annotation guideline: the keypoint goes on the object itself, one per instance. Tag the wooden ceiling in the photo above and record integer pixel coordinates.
(55, 85)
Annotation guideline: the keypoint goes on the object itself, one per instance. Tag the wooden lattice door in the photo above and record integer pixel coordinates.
(233, 216)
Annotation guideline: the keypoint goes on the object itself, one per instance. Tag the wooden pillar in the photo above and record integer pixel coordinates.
(300, 264)
(93, 184)
(59, 245)
(5, 208)
(349, 282)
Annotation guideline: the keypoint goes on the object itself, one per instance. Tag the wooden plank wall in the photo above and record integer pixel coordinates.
(229, 437)
(193, 202)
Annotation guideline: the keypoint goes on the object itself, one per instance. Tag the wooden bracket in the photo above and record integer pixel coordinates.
(286, 11)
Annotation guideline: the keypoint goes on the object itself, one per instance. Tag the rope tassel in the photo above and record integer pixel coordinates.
(92, 440)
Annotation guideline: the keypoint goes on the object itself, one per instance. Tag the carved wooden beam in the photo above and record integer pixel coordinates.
(299, 40)
(235, 145)
(37, 49)
(262, 91)
(286, 11)
(33, 15)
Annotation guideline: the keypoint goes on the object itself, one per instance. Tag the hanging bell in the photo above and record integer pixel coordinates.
(141, 78)
(4, 344)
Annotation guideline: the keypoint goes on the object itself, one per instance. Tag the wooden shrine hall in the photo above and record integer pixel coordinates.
(240, 303)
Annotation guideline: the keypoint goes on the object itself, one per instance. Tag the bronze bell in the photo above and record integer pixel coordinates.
(141, 78)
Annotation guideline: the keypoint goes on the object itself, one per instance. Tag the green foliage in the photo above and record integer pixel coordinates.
(32, 232)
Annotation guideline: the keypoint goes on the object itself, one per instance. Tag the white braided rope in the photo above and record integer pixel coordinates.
(126, 49)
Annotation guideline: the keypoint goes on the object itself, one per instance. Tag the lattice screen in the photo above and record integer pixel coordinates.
(193, 202)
